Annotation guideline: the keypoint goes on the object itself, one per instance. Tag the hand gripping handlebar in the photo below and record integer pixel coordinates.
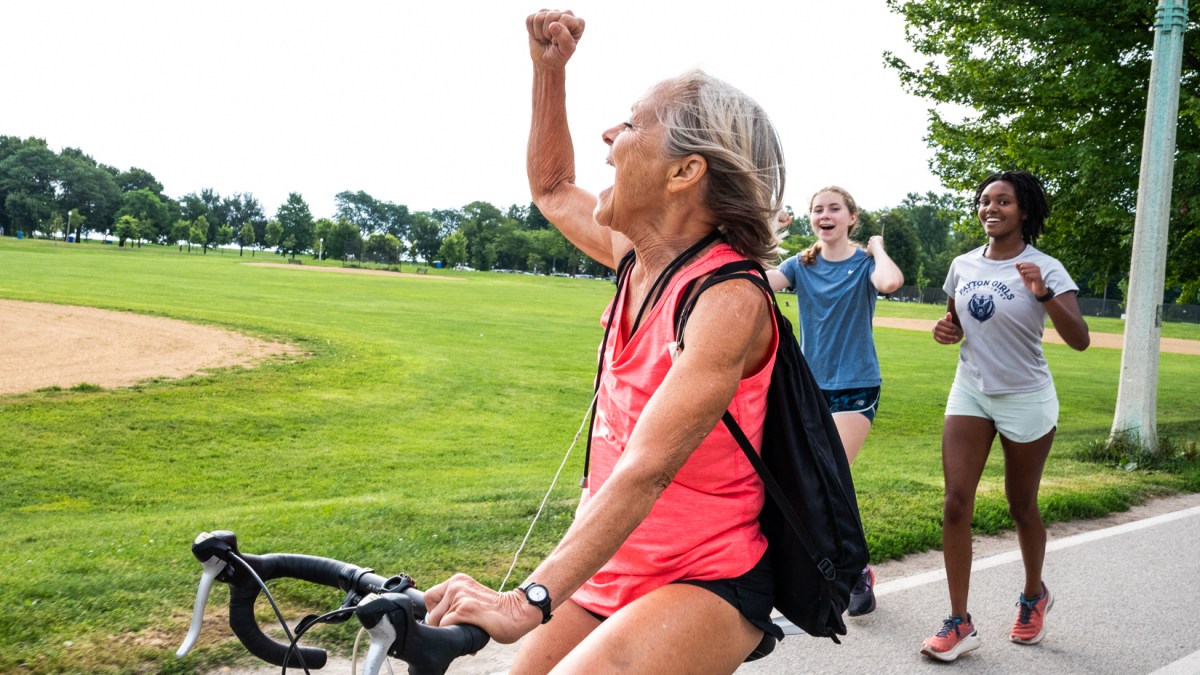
(427, 650)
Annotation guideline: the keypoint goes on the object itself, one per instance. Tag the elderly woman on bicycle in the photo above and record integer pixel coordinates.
(663, 569)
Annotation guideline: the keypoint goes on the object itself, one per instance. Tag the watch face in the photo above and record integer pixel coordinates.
(536, 593)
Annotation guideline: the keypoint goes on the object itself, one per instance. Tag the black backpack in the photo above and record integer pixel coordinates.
(811, 520)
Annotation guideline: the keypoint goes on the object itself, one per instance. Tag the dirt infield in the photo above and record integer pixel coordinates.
(48, 345)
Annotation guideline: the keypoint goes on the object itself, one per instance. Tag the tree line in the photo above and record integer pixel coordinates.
(70, 195)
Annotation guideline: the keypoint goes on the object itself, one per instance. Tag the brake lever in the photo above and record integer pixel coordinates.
(374, 613)
(213, 567)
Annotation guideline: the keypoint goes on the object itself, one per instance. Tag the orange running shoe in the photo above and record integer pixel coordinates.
(957, 637)
(1030, 626)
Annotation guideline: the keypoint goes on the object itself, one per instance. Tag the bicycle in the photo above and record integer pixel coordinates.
(390, 609)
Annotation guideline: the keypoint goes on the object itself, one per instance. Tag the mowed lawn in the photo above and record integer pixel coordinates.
(418, 435)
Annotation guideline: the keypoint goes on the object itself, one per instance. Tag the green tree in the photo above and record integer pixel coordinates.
(371, 215)
(149, 211)
(399, 220)
(244, 208)
(1057, 88)
(899, 236)
(426, 235)
(512, 245)
(534, 220)
(181, 233)
(218, 211)
(29, 179)
(246, 237)
(453, 250)
(89, 187)
(198, 234)
(921, 280)
(299, 230)
(383, 249)
(224, 237)
(28, 211)
(54, 225)
(553, 247)
(933, 218)
(361, 209)
(139, 179)
(321, 227)
(341, 239)
(273, 234)
(75, 220)
(191, 207)
(128, 229)
(481, 224)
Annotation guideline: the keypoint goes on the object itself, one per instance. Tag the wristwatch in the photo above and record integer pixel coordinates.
(1049, 294)
(538, 596)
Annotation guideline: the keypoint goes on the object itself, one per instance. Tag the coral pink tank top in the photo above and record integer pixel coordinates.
(704, 526)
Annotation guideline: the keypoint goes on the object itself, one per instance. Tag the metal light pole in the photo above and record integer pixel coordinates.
(1137, 394)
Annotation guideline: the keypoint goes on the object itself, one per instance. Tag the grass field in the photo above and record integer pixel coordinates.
(418, 436)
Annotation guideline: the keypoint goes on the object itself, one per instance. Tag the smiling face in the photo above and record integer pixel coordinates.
(1001, 215)
(636, 153)
(832, 219)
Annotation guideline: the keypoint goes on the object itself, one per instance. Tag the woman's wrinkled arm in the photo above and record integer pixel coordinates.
(550, 158)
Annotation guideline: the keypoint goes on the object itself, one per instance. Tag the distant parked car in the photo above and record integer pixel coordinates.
(464, 268)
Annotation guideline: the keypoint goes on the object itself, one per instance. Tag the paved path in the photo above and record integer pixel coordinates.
(1125, 603)
(1104, 340)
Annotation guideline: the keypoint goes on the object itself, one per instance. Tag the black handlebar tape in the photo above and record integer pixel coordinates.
(241, 620)
(244, 591)
(429, 650)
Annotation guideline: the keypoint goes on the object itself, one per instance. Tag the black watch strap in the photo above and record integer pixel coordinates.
(1049, 294)
(537, 595)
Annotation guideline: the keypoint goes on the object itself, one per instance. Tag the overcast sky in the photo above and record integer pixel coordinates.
(427, 104)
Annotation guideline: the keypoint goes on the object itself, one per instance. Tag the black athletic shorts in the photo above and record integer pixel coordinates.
(749, 594)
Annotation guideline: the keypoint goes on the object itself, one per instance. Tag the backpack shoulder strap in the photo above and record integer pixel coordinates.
(740, 269)
(752, 271)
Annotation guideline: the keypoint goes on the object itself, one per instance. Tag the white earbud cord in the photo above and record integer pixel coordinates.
(546, 498)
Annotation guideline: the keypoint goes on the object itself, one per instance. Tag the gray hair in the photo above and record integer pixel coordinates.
(711, 118)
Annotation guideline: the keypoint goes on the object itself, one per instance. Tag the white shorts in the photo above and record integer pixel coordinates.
(1020, 417)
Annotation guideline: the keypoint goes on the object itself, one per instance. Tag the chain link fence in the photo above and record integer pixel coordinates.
(1089, 306)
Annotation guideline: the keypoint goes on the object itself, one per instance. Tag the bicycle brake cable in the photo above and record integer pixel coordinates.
(278, 614)
(336, 616)
(553, 482)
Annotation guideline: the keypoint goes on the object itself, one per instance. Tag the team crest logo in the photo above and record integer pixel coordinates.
(982, 307)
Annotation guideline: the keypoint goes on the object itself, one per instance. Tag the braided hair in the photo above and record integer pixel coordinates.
(1031, 198)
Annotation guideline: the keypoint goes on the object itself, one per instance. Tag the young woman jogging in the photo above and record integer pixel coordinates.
(836, 283)
(999, 297)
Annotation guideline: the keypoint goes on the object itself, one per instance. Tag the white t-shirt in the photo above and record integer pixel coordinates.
(1002, 321)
